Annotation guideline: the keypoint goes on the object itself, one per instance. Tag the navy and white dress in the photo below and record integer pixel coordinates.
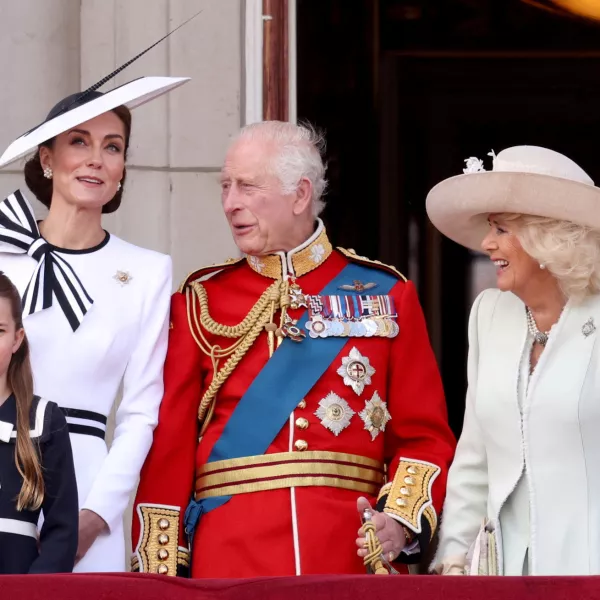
(116, 349)
(20, 549)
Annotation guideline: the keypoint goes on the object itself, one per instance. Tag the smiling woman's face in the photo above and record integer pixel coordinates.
(515, 269)
(87, 162)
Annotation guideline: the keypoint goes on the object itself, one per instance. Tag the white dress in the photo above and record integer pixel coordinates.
(529, 451)
(121, 340)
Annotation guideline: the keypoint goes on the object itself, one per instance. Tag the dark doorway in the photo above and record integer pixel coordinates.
(406, 90)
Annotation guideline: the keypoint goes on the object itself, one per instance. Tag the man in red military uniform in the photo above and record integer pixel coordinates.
(300, 390)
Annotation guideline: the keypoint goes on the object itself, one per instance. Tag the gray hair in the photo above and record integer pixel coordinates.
(299, 154)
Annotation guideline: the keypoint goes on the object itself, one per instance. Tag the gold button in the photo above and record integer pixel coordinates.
(412, 470)
(409, 480)
(301, 445)
(302, 404)
(163, 554)
(163, 524)
(401, 502)
(162, 569)
(163, 539)
(405, 491)
(302, 423)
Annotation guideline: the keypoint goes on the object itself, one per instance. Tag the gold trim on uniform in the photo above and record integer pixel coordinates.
(351, 254)
(158, 550)
(289, 469)
(303, 261)
(198, 273)
(409, 497)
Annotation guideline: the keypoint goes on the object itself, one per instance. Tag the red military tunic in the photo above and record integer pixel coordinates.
(309, 528)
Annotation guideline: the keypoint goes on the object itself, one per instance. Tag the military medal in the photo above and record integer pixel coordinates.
(335, 413)
(348, 316)
(317, 327)
(291, 330)
(356, 371)
(375, 415)
(297, 297)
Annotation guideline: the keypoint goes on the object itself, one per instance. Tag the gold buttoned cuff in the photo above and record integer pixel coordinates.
(409, 494)
(158, 550)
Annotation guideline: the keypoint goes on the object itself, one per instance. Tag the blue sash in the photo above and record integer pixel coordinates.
(279, 387)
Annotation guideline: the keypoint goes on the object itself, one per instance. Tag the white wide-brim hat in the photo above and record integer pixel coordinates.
(525, 180)
(132, 94)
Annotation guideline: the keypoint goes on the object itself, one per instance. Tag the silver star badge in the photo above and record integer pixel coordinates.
(335, 413)
(356, 371)
(122, 277)
(375, 415)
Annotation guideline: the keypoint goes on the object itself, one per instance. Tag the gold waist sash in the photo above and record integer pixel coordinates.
(289, 469)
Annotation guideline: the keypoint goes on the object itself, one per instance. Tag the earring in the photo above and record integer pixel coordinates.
(542, 266)
(48, 173)
(119, 186)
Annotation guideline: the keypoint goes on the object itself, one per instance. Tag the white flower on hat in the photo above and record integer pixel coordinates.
(475, 165)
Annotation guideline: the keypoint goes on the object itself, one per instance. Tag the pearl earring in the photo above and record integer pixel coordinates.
(542, 266)
(119, 186)
(48, 173)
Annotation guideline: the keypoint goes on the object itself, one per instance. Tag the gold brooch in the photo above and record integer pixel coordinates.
(122, 277)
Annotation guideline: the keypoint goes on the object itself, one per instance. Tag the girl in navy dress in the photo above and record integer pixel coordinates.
(36, 462)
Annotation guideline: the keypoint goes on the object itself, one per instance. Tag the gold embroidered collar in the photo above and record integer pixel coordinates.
(299, 261)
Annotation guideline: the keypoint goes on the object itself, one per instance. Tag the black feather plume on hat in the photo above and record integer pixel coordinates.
(80, 98)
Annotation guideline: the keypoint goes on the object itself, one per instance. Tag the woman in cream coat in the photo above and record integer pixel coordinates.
(528, 460)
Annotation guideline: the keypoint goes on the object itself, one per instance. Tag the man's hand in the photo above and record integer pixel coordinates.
(389, 531)
(91, 526)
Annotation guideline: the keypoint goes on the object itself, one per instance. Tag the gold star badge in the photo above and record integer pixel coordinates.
(122, 277)
(375, 415)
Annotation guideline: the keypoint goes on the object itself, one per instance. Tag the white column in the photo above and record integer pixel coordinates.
(39, 45)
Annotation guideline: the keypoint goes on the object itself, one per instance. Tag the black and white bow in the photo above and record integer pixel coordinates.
(53, 276)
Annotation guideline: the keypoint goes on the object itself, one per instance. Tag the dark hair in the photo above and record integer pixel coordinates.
(42, 187)
(20, 382)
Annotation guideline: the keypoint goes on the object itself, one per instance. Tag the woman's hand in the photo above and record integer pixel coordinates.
(91, 526)
(389, 531)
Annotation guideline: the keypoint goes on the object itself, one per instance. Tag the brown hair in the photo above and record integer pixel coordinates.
(20, 381)
(42, 187)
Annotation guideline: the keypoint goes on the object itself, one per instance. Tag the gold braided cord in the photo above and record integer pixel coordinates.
(372, 560)
(272, 294)
(232, 362)
(247, 331)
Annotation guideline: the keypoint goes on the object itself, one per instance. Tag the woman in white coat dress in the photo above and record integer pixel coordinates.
(527, 463)
(96, 307)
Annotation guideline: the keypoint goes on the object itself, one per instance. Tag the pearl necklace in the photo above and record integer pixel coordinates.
(541, 337)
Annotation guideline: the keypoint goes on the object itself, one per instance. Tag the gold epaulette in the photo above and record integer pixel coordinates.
(351, 255)
(209, 270)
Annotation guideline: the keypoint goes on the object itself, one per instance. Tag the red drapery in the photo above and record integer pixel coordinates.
(328, 587)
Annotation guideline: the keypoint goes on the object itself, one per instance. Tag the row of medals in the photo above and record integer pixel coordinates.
(378, 326)
(367, 327)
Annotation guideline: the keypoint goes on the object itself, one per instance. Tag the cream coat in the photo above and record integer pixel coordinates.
(556, 442)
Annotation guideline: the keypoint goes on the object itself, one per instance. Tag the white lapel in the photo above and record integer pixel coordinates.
(502, 346)
(563, 365)
(5, 431)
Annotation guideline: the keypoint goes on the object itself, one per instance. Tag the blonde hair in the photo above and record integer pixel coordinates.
(570, 252)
